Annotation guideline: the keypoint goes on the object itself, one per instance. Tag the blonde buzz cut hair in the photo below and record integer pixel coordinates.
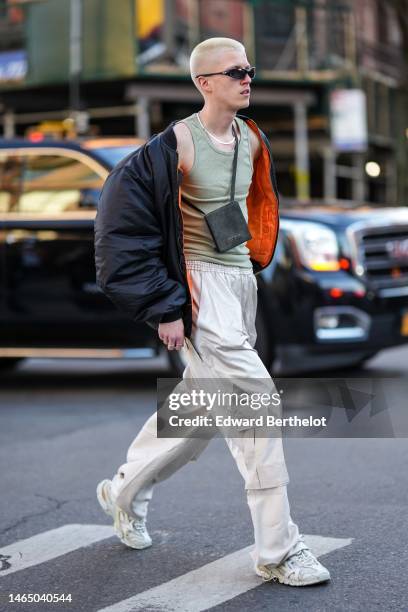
(207, 51)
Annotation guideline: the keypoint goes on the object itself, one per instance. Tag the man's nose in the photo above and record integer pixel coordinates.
(246, 80)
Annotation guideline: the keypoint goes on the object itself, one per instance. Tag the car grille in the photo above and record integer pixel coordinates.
(381, 255)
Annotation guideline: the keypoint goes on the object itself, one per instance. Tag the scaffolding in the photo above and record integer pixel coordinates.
(287, 40)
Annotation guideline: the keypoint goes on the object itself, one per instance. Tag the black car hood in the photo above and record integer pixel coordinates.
(337, 216)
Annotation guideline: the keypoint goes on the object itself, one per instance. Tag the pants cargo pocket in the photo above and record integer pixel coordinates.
(260, 460)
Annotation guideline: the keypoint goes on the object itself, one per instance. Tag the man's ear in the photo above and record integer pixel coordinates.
(205, 84)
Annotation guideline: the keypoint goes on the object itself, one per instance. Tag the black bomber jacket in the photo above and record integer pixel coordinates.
(139, 256)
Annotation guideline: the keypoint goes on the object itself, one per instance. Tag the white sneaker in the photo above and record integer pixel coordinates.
(130, 531)
(299, 569)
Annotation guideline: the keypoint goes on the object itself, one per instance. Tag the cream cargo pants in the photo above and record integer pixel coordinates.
(224, 310)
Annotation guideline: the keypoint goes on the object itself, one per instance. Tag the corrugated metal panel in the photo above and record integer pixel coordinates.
(48, 42)
(108, 40)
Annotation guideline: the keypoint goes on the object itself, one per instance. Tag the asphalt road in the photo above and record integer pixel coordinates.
(65, 425)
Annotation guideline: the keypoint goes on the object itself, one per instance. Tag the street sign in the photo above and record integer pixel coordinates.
(348, 120)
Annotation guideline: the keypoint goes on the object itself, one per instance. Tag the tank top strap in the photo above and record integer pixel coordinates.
(195, 129)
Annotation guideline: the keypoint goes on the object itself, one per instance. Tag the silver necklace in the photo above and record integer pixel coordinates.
(212, 135)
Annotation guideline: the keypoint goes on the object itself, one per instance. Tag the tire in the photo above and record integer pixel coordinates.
(9, 363)
(360, 362)
(262, 345)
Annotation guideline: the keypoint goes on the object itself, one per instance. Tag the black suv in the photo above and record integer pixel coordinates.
(335, 293)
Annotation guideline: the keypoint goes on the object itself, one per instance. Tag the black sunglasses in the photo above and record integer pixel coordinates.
(234, 73)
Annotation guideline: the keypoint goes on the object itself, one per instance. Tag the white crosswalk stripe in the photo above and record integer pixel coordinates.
(195, 591)
(212, 584)
(49, 545)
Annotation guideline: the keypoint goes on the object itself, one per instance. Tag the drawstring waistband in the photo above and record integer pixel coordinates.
(209, 266)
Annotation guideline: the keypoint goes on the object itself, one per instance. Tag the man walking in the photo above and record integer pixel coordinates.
(161, 260)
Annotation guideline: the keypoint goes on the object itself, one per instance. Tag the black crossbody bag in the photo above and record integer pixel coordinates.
(227, 224)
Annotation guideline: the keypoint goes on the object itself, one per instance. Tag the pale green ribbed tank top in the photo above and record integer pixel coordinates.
(207, 186)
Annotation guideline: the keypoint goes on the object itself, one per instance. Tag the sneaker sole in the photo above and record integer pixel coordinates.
(118, 531)
(109, 511)
(276, 575)
(102, 499)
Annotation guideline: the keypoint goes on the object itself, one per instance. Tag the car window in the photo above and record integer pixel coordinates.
(51, 184)
(10, 182)
(114, 155)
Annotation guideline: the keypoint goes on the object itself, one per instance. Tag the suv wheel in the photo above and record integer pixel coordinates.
(359, 363)
(9, 363)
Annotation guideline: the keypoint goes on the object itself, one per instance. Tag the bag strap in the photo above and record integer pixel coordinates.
(234, 165)
(234, 174)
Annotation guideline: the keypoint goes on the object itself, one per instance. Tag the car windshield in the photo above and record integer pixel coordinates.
(113, 155)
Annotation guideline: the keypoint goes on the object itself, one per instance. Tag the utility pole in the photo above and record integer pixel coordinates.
(80, 117)
(302, 169)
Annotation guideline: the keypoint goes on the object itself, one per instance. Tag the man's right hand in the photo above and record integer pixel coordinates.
(172, 334)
